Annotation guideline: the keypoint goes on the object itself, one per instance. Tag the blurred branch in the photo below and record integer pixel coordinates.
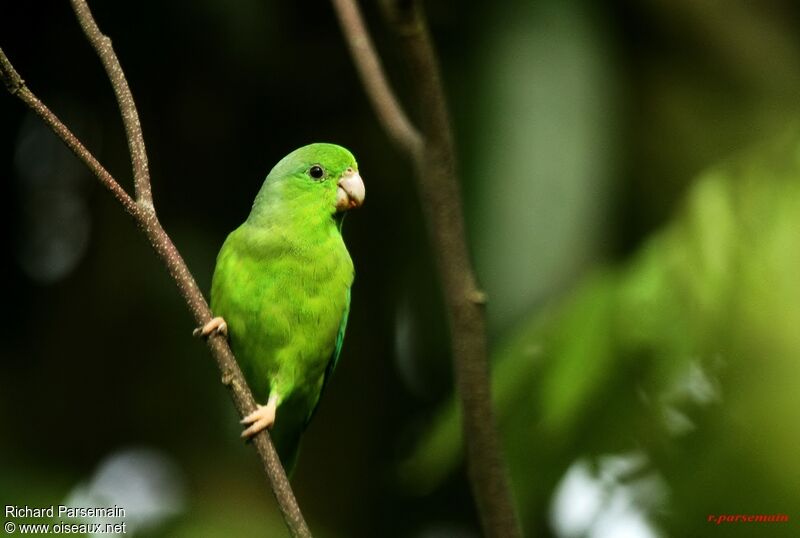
(368, 64)
(433, 155)
(143, 214)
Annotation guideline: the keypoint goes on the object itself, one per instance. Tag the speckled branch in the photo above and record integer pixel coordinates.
(434, 157)
(127, 108)
(143, 213)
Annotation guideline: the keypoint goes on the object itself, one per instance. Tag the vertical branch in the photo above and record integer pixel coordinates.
(127, 108)
(434, 157)
(143, 213)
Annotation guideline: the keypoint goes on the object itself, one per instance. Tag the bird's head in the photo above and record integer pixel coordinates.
(316, 178)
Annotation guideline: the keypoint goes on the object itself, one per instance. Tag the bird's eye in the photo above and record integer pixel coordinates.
(316, 171)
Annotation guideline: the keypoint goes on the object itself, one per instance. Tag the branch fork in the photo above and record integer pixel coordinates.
(142, 210)
(432, 152)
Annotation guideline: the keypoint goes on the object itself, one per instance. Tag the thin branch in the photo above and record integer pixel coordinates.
(438, 187)
(144, 216)
(130, 116)
(368, 64)
(16, 86)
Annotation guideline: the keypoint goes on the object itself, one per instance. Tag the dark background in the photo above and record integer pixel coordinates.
(579, 126)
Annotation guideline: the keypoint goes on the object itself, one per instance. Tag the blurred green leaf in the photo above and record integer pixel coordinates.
(688, 351)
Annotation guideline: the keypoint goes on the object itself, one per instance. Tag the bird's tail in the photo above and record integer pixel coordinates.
(288, 447)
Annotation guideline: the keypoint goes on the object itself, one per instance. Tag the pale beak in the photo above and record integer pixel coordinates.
(350, 193)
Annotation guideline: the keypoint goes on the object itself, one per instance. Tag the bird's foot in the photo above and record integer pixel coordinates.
(215, 326)
(261, 418)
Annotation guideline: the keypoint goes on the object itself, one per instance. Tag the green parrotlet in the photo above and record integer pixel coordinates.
(281, 289)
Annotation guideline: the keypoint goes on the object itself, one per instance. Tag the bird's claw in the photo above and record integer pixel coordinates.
(215, 326)
(263, 417)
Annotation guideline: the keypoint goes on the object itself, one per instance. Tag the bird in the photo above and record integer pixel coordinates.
(281, 287)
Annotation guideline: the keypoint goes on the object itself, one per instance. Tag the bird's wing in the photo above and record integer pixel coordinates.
(334, 360)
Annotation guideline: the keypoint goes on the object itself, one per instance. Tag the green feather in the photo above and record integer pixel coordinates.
(334, 360)
(282, 283)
